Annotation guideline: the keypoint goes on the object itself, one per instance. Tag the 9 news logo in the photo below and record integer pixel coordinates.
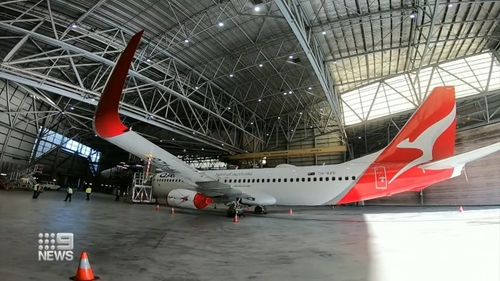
(55, 246)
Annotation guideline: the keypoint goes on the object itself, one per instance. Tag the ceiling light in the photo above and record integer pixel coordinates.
(279, 118)
(184, 150)
(324, 32)
(450, 5)
(173, 138)
(202, 148)
(196, 87)
(284, 93)
(267, 134)
(74, 25)
(256, 8)
(290, 92)
(310, 88)
(259, 100)
(148, 60)
(222, 144)
(300, 113)
(220, 24)
(261, 65)
(359, 137)
(186, 41)
(231, 75)
(291, 130)
(412, 15)
(72, 108)
(161, 140)
(228, 107)
(290, 57)
(251, 123)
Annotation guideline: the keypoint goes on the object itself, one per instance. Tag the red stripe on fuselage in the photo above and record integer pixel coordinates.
(107, 122)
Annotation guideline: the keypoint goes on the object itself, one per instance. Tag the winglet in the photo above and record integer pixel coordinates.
(107, 121)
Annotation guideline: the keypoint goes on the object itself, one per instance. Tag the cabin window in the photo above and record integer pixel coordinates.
(346, 178)
(285, 180)
(308, 179)
(340, 178)
(320, 178)
(268, 180)
(239, 180)
(230, 180)
(253, 180)
(333, 178)
(258, 180)
(279, 180)
(327, 178)
(291, 179)
(315, 179)
(303, 179)
(274, 180)
(297, 179)
(353, 177)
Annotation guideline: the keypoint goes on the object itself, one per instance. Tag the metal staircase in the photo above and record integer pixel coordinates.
(24, 178)
(142, 191)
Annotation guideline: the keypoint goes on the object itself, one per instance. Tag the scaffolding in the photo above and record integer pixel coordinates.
(142, 191)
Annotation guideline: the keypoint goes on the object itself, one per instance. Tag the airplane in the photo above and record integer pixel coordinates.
(421, 154)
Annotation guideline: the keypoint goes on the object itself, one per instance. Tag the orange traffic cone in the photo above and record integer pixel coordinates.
(236, 219)
(172, 211)
(84, 272)
(290, 212)
(461, 209)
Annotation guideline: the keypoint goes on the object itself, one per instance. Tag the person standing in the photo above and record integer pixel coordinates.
(69, 193)
(36, 191)
(88, 191)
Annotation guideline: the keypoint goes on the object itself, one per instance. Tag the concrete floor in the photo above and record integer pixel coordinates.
(134, 242)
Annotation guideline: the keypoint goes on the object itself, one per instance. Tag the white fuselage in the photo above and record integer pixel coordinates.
(287, 184)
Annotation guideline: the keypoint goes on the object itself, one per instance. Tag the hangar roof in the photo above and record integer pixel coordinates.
(232, 74)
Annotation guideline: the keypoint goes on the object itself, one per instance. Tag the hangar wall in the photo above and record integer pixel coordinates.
(308, 138)
(17, 132)
(482, 187)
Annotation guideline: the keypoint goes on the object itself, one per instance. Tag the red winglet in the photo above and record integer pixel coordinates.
(107, 121)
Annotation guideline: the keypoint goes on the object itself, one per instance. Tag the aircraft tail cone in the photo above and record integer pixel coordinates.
(461, 209)
(236, 219)
(84, 271)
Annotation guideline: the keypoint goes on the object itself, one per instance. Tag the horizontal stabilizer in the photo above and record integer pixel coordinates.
(461, 159)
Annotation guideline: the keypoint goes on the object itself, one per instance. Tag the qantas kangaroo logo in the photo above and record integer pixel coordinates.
(429, 136)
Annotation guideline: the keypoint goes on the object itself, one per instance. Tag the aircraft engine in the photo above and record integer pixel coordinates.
(190, 199)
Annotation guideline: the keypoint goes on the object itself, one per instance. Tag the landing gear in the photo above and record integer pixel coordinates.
(261, 210)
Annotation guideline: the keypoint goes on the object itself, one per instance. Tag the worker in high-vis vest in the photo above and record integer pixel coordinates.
(69, 193)
(88, 191)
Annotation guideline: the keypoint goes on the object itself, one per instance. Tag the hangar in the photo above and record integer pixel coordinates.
(234, 89)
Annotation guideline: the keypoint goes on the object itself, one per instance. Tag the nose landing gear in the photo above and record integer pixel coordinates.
(261, 210)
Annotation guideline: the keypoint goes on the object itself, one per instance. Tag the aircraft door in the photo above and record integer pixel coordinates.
(380, 177)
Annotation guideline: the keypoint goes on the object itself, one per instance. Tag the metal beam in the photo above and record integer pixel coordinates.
(300, 26)
(127, 111)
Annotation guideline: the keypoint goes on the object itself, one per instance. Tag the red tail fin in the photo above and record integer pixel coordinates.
(429, 135)
(431, 130)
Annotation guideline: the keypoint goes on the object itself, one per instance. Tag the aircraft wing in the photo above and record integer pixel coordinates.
(108, 125)
(457, 162)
